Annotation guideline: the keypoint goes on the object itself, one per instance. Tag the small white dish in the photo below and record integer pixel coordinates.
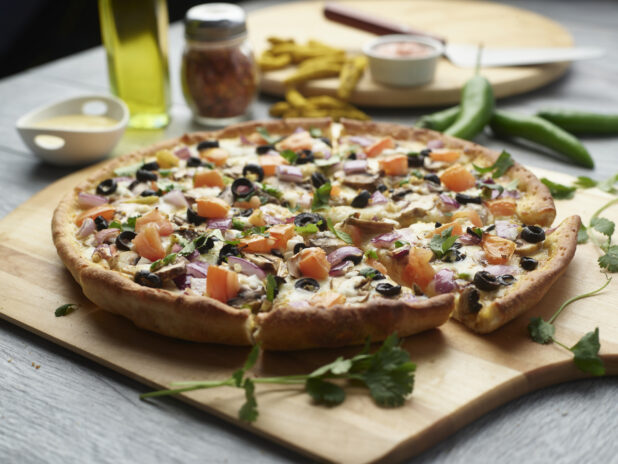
(403, 71)
(73, 145)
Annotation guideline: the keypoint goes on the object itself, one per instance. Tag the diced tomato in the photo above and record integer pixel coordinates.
(457, 178)
(221, 284)
(296, 142)
(395, 165)
(212, 208)
(498, 250)
(217, 156)
(457, 229)
(377, 265)
(257, 244)
(446, 156)
(210, 178)
(327, 299)
(281, 233)
(165, 226)
(418, 270)
(106, 210)
(335, 190)
(380, 146)
(147, 243)
(470, 215)
(313, 263)
(502, 206)
(269, 163)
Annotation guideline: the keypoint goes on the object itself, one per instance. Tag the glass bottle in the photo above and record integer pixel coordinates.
(219, 74)
(134, 33)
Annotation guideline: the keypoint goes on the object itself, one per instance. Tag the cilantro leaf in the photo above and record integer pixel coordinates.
(608, 184)
(273, 191)
(418, 174)
(339, 233)
(541, 331)
(252, 358)
(487, 189)
(290, 156)
(603, 226)
(400, 243)
(248, 411)
(585, 182)
(159, 263)
(307, 229)
(440, 244)
(609, 260)
(315, 132)
(476, 231)
(65, 309)
(559, 191)
(586, 354)
(324, 392)
(266, 135)
(321, 197)
(372, 253)
(271, 287)
(582, 234)
(238, 224)
(499, 168)
(337, 367)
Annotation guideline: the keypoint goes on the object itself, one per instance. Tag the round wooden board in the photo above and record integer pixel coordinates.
(473, 22)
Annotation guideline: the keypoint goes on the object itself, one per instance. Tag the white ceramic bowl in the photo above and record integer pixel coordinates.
(403, 71)
(74, 146)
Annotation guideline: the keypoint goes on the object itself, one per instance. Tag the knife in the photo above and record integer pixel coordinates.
(463, 55)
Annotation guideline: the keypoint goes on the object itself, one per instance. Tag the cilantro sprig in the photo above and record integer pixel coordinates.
(559, 191)
(441, 243)
(266, 135)
(65, 309)
(339, 233)
(388, 374)
(321, 197)
(605, 227)
(499, 168)
(586, 350)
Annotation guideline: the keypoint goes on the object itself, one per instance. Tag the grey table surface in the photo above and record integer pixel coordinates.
(73, 410)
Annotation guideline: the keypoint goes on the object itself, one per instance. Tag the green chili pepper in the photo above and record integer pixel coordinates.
(440, 120)
(582, 122)
(477, 104)
(541, 131)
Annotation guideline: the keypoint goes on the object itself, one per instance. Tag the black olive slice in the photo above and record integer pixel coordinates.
(246, 212)
(506, 279)
(133, 184)
(152, 166)
(425, 152)
(354, 258)
(254, 169)
(299, 246)
(242, 188)
(533, 234)
(382, 188)
(490, 228)
(263, 149)
(206, 144)
(352, 156)
(124, 239)
(437, 224)
(194, 218)
(465, 199)
(304, 157)
(415, 160)
(528, 263)
(194, 162)
(148, 279)
(107, 187)
(227, 250)
(318, 179)
(433, 178)
(361, 200)
(303, 219)
(145, 176)
(101, 223)
(483, 280)
(387, 289)
(327, 141)
(473, 297)
(307, 283)
(148, 193)
(203, 244)
(276, 253)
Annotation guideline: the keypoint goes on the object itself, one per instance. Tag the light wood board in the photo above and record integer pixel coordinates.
(460, 375)
(468, 22)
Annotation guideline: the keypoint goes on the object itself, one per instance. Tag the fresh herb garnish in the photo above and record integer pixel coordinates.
(404, 181)
(237, 224)
(266, 135)
(307, 229)
(371, 253)
(499, 168)
(609, 260)
(441, 244)
(477, 231)
(585, 182)
(65, 309)
(290, 156)
(388, 374)
(559, 191)
(165, 172)
(418, 174)
(369, 273)
(256, 230)
(127, 171)
(608, 185)
(339, 233)
(315, 132)
(271, 287)
(582, 234)
(270, 190)
(400, 243)
(321, 196)
(488, 188)
(585, 351)
(159, 263)
(129, 225)
(606, 227)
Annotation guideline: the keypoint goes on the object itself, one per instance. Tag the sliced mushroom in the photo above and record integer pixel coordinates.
(527, 249)
(326, 241)
(187, 233)
(372, 227)
(227, 195)
(248, 297)
(417, 208)
(362, 181)
(400, 193)
(434, 165)
(267, 263)
(125, 261)
(293, 266)
(172, 270)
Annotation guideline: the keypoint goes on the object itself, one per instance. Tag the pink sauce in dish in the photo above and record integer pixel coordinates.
(403, 49)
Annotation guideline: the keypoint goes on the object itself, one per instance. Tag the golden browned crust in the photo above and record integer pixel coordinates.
(531, 287)
(290, 329)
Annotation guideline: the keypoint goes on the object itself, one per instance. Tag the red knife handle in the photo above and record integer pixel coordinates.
(353, 18)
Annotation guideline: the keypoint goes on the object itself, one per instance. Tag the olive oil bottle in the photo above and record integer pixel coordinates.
(134, 33)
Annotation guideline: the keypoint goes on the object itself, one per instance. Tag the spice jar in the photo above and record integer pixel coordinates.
(219, 73)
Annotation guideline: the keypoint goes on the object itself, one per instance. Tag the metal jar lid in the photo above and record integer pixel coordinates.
(212, 22)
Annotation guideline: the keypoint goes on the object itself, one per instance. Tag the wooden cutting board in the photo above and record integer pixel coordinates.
(468, 22)
(460, 376)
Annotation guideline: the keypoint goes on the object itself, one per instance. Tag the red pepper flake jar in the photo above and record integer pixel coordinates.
(219, 74)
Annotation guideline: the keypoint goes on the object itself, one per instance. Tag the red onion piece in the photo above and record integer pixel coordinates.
(245, 141)
(183, 153)
(289, 220)
(176, 248)
(385, 240)
(198, 269)
(435, 144)
(88, 227)
(444, 281)
(89, 200)
(377, 198)
(511, 193)
(339, 254)
(401, 252)
(175, 198)
(361, 155)
(289, 174)
(298, 130)
(246, 267)
(193, 256)
(501, 269)
(355, 166)
(359, 140)
(106, 236)
(221, 224)
(182, 281)
(469, 239)
(123, 179)
(271, 220)
(506, 229)
(450, 203)
(340, 269)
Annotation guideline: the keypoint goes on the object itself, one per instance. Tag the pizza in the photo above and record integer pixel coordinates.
(304, 233)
